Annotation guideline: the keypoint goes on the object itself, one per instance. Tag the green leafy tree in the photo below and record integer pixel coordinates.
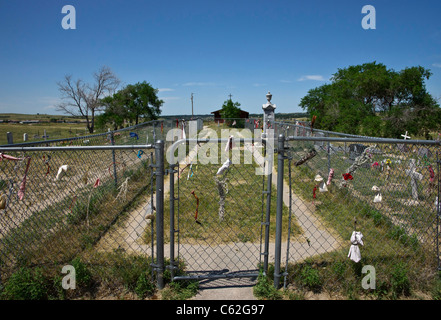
(131, 103)
(230, 110)
(371, 99)
(142, 101)
(115, 112)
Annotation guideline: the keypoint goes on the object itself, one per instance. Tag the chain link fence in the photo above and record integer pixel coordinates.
(365, 206)
(219, 216)
(331, 209)
(85, 201)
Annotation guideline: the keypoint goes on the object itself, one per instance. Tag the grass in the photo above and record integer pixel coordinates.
(244, 206)
(394, 242)
(105, 275)
(36, 131)
(67, 216)
(397, 245)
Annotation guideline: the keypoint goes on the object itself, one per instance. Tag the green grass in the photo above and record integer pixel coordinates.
(243, 207)
(53, 130)
(76, 219)
(401, 252)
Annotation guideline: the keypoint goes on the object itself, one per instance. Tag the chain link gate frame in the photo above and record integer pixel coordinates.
(231, 250)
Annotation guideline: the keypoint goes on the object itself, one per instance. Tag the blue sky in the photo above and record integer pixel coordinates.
(210, 48)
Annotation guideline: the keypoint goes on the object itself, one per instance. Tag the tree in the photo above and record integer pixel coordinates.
(142, 101)
(131, 103)
(371, 99)
(114, 112)
(84, 99)
(230, 110)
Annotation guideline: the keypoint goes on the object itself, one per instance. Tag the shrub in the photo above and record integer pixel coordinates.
(144, 286)
(26, 284)
(310, 278)
(83, 276)
(399, 281)
(436, 290)
(264, 289)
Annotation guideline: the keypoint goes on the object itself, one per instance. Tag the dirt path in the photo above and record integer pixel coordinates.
(314, 239)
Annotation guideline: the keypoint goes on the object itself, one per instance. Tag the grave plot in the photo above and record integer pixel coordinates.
(387, 192)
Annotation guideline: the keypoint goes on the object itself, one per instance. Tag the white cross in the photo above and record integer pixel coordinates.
(405, 136)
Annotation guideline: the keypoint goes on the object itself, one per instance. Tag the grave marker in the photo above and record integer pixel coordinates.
(268, 109)
(355, 150)
(9, 137)
(414, 177)
(424, 152)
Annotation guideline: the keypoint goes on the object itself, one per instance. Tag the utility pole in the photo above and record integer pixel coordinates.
(192, 114)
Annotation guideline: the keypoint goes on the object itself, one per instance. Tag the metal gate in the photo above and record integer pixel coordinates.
(219, 212)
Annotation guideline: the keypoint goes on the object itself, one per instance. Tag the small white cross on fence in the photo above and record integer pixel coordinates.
(405, 136)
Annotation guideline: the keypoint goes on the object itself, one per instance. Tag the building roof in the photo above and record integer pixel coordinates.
(221, 110)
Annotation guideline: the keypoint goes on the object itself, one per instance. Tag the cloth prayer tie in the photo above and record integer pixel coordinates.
(354, 252)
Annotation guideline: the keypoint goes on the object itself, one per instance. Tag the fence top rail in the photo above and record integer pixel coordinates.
(179, 142)
(367, 140)
(95, 135)
(341, 134)
(215, 140)
(74, 148)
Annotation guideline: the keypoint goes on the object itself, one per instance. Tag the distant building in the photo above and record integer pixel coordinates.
(29, 121)
(218, 116)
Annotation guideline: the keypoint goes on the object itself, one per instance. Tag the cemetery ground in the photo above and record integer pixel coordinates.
(36, 132)
(399, 232)
(71, 231)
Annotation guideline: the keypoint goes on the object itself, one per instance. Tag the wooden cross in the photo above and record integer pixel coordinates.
(414, 176)
(230, 95)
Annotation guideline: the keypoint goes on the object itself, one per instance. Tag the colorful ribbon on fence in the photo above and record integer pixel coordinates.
(230, 144)
(97, 183)
(114, 164)
(330, 176)
(190, 172)
(46, 162)
(22, 188)
(197, 208)
(347, 176)
(180, 170)
(431, 172)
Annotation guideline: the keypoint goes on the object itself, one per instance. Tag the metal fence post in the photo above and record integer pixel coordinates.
(328, 151)
(172, 219)
(278, 240)
(112, 141)
(159, 155)
(267, 222)
(438, 211)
